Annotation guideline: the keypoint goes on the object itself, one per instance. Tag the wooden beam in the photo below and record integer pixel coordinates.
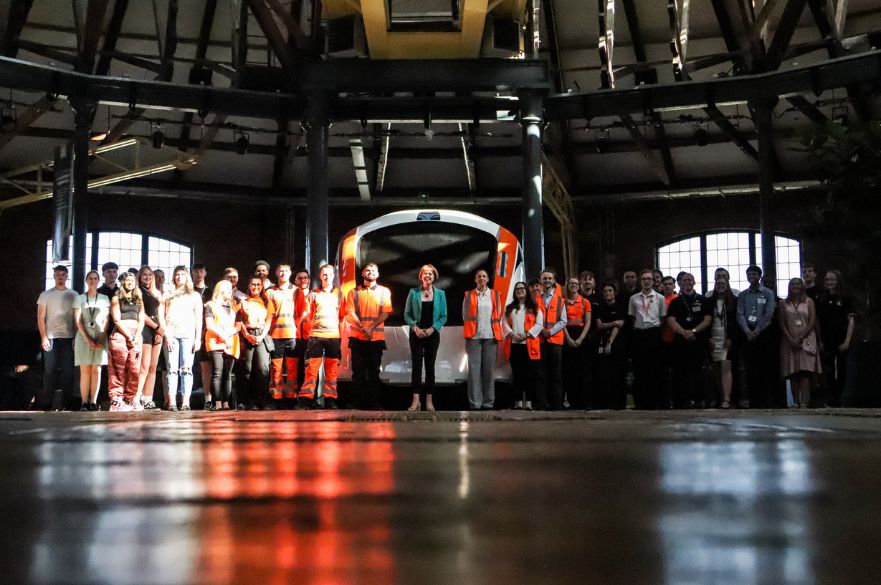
(726, 27)
(732, 132)
(295, 31)
(635, 33)
(92, 29)
(678, 20)
(808, 109)
(276, 40)
(170, 42)
(606, 43)
(565, 133)
(645, 148)
(783, 35)
(25, 119)
(69, 58)
(15, 21)
(207, 24)
(111, 37)
(762, 19)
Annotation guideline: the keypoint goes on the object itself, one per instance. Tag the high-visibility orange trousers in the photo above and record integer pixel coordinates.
(282, 359)
(328, 350)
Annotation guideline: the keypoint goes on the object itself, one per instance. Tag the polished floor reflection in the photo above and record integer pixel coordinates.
(448, 498)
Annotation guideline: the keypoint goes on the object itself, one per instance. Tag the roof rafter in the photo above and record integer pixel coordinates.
(15, 21)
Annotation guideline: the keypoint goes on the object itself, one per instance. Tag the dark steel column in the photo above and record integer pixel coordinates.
(532, 239)
(762, 115)
(84, 112)
(317, 124)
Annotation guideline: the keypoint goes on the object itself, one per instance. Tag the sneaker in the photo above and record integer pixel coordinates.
(93, 406)
(120, 406)
(527, 405)
(85, 407)
(209, 405)
(330, 404)
(270, 406)
(241, 406)
(150, 405)
(136, 405)
(185, 408)
(172, 408)
(518, 405)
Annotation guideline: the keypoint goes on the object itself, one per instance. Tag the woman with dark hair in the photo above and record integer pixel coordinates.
(799, 353)
(523, 324)
(609, 318)
(578, 322)
(254, 317)
(152, 338)
(183, 326)
(723, 336)
(837, 320)
(221, 342)
(425, 313)
(91, 313)
(482, 315)
(127, 312)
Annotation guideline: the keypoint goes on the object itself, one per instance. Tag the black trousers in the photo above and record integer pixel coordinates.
(59, 372)
(366, 361)
(646, 344)
(423, 349)
(610, 378)
(574, 371)
(523, 372)
(760, 362)
(549, 382)
(688, 372)
(834, 366)
(252, 375)
(221, 376)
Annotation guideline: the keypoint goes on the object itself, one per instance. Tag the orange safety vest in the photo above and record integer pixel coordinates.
(469, 327)
(325, 313)
(577, 311)
(221, 320)
(555, 308)
(284, 324)
(305, 325)
(255, 312)
(667, 331)
(533, 344)
(368, 304)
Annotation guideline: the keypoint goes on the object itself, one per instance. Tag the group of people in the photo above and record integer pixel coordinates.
(569, 345)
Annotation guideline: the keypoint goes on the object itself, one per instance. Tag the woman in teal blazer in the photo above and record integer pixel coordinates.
(425, 313)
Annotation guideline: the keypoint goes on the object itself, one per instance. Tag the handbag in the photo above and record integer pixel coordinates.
(809, 344)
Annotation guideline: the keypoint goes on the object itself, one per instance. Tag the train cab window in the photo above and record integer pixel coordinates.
(503, 264)
(457, 251)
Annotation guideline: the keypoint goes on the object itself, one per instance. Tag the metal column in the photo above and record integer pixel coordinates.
(317, 125)
(762, 114)
(84, 112)
(532, 239)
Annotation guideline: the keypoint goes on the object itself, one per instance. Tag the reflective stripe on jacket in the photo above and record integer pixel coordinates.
(469, 314)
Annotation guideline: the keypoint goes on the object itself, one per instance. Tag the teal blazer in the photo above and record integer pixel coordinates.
(413, 310)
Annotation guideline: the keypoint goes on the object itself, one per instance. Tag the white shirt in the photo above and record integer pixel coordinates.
(484, 315)
(181, 312)
(518, 321)
(647, 309)
(59, 312)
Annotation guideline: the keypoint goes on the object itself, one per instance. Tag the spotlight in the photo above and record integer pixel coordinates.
(158, 139)
(242, 144)
(701, 136)
(602, 144)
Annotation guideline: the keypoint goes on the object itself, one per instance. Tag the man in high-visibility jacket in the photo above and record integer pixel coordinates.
(324, 308)
(303, 281)
(367, 308)
(288, 309)
(550, 376)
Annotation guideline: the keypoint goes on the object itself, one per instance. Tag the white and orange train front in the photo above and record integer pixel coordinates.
(457, 244)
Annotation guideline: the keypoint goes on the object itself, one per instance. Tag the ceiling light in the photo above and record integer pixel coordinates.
(701, 136)
(158, 139)
(242, 144)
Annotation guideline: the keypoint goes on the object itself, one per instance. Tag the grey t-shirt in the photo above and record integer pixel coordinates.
(59, 312)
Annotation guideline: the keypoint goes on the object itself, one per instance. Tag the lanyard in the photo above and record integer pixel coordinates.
(92, 310)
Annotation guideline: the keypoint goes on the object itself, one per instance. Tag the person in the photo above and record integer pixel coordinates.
(482, 315)
(799, 352)
(425, 313)
(367, 308)
(629, 287)
(646, 311)
(261, 269)
(288, 304)
(755, 312)
(302, 280)
(253, 370)
(56, 325)
(152, 335)
(221, 342)
(724, 337)
(550, 378)
(232, 275)
(657, 277)
(522, 329)
(837, 318)
(690, 317)
(124, 363)
(162, 362)
(91, 313)
(159, 279)
(183, 336)
(203, 373)
(535, 287)
(723, 273)
(809, 276)
(578, 322)
(324, 307)
(110, 271)
(668, 355)
(588, 283)
(610, 361)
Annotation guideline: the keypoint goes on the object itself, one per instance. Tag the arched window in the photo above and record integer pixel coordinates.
(701, 254)
(129, 250)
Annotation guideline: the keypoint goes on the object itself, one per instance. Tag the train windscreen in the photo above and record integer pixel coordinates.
(455, 250)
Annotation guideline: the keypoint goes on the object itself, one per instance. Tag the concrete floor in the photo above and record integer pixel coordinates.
(449, 498)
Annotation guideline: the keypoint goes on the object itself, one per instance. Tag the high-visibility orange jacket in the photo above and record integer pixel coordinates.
(577, 311)
(288, 304)
(325, 311)
(368, 304)
(553, 313)
(469, 314)
(255, 313)
(224, 336)
(303, 332)
(533, 344)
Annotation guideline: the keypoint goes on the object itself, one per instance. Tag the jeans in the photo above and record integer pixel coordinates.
(58, 372)
(481, 372)
(221, 375)
(180, 370)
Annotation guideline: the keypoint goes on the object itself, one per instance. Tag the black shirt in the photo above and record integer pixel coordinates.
(608, 313)
(813, 292)
(832, 313)
(107, 291)
(426, 317)
(690, 310)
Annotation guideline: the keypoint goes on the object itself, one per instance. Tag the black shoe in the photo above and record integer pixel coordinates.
(241, 406)
(302, 404)
(84, 407)
(268, 406)
(209, 405)
(330, 404)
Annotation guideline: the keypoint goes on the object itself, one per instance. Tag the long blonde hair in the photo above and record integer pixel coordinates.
(187, 287)
(133, 296)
